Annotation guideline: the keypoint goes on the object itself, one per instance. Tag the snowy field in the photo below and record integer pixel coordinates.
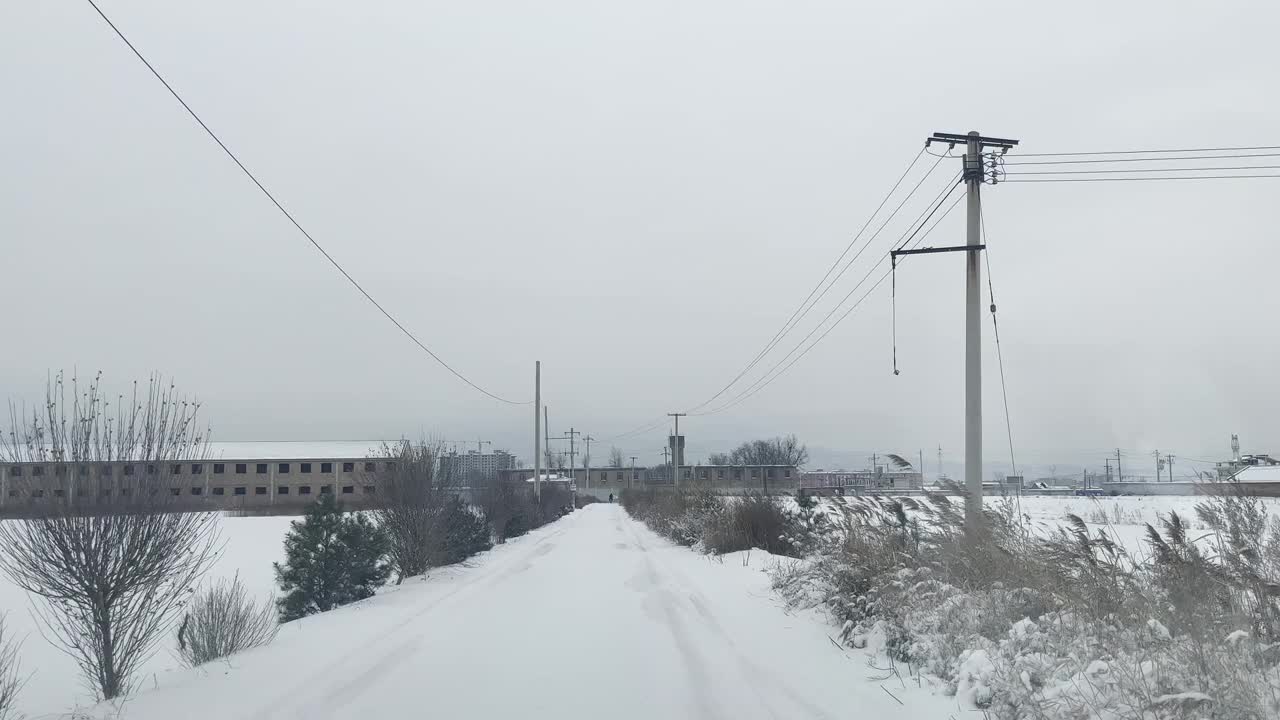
(55, 687)
(1124, 518)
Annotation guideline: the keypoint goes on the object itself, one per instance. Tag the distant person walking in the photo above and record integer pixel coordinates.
(610, 497)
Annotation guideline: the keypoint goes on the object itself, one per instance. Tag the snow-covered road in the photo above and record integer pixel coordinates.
(591, 617)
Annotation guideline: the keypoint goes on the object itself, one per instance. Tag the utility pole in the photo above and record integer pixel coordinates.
(572, 452)
(666, 450)
(921, 468)
(939, 465)
(631, 478)
(586, 461)
(1168, 462)
(537, 431)
(1108, 469)
(676, 448)
(1159, 463)
(1119, 473)
(974, 173)
(546, 434)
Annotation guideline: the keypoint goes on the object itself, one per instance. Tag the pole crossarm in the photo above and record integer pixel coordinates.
(984, 142)
(928, 250)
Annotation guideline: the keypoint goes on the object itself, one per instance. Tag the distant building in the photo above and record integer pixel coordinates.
(477, 466)
(601, 482)
(860, 481)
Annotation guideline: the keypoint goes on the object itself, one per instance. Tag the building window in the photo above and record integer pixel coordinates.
(174, 491)
(283, 469)
(128, 469)
(38, 470)
(282, 490)
(105, 471)
(175, 470)
(390, 466)
(197, 490)
(326, 467)
(720, 473)
(348, 489)
(368, 467)
(219, 491)
(702, 474)
(15, 471)
(260, 490)
(240, 490)
(772, 473)
(126, 491)
(348, 467)
(326, 489)
(304, 490)
(241, 468)
(196, 468)
(262, 468)
(38, 492)
(60, 470)
(219, 468)
(369, 489)
(59, 492)
(82, 470)
(306, 467)
(619, 477)
(786, 473)
(755, 473)
(13, 493)
(104, 492)
(151, 469)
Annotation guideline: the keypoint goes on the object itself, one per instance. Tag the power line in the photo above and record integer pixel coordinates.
(995, 327)
(806, 306)
(758, 386)
(1134, 179)
(1138, 160)
(290, 217)
(1143, 152)
(1140, 170)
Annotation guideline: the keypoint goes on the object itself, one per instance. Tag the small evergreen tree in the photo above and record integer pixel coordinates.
(331, 559)
(466, 532)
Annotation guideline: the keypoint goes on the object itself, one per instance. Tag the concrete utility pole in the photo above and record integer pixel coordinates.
(1159, 463)
(631, 478)
(586, 461)
(676, 448)
(1119, 474)
(1168, 462)
(1108, 469)
(974, 173)
(665, 451)
(537, 430)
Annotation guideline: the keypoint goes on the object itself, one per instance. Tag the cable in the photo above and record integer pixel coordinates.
(991, 292)
(1139, 152)
(801, 311)
(286, 213)
(1151, 159)
(1130, 179)
(936, 204)
(1138, 170)
(758, 386)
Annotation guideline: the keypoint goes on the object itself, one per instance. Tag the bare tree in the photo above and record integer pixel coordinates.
(777, 451)
(110, 559)
(222, 620)
(719, 459)
(10, 681)
(616, 458)
(413, 490)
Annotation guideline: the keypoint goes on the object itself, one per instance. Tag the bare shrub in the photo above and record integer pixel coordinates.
(222, 620)
(751, 521)
(414, 490)
(111, 571)
(10, 680)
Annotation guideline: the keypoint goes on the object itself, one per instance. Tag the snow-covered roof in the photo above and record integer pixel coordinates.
(549, 478)
(1259, 474)
(294, 450)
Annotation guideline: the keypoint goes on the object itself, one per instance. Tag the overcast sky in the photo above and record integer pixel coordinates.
(638, 194)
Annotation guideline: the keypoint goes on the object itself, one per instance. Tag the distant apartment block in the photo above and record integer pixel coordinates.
(476, 466)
